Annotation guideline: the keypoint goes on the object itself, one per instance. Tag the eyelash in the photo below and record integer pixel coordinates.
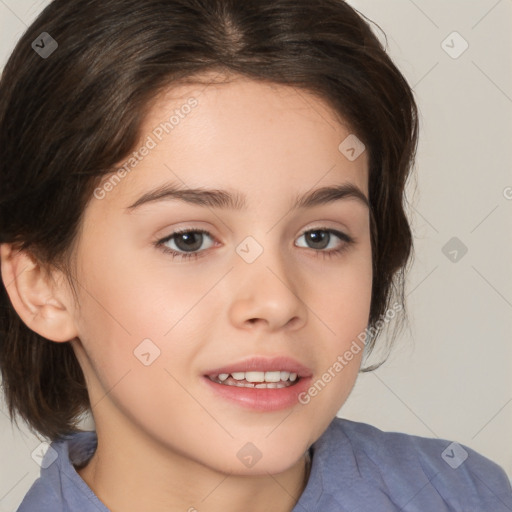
(194, 255)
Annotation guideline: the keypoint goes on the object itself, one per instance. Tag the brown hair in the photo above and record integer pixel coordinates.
(68, 119)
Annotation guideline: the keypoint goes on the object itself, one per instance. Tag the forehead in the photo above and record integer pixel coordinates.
(256, 137)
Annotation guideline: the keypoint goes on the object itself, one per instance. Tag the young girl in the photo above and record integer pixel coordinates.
(202, 228)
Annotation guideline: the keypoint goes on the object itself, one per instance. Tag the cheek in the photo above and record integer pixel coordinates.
(132, 294)
(341, 302)
(341, 295)
(129, 361)
(137, 318)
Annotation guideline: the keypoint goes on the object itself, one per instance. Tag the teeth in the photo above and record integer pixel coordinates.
(272, 385)
(271, 379)
(254, 376)
(272, 376)
(241, 384)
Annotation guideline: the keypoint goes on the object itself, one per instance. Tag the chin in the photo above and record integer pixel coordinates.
(260, 462)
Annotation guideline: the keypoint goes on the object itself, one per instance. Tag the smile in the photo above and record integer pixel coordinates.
(271, 379)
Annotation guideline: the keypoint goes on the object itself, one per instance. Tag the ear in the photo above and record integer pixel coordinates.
(41, 299)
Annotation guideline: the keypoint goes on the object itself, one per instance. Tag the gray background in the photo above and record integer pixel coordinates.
(449, 375)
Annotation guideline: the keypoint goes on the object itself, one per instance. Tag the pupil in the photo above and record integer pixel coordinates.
(191, 243)
(319, 237)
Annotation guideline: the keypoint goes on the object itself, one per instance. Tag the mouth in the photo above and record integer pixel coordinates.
(259, 383)
(273, 379)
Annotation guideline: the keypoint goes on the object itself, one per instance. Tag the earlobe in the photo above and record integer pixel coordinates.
(41, 303)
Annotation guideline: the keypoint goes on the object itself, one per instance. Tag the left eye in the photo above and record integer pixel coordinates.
(188, 242)
(319, 237)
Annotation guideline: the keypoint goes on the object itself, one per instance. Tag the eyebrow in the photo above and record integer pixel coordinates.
(215, 198)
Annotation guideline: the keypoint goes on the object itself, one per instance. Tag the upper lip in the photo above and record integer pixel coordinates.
(264, 364)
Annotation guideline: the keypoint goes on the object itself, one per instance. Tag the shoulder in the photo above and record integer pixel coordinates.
(60, 488)
(41, 497)
(408, 468)
(400, 451)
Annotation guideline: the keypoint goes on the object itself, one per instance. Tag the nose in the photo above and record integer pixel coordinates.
(266, 295)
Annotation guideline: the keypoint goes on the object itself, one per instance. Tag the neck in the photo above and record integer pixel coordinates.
(132, 475)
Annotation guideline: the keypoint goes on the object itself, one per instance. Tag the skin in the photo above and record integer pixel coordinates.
(166, 442)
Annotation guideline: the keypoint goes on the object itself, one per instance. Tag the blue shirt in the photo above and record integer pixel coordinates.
(355, 468)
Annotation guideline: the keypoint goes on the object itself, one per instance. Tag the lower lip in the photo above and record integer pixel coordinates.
(261, 399)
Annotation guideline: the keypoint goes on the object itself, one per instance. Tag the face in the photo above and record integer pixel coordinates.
(259, 285)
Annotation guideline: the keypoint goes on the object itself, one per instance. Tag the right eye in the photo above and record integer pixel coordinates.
(189, 239)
